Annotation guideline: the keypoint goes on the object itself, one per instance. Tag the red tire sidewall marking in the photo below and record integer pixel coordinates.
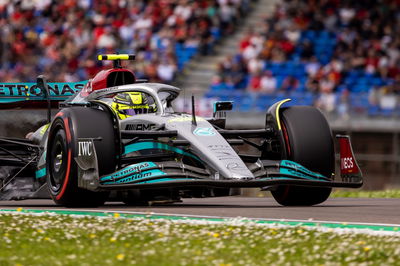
(288, 150)
(286, 139)
(66, 178)
(59, 114)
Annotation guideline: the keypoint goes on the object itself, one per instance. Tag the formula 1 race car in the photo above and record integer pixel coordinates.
(118, 138)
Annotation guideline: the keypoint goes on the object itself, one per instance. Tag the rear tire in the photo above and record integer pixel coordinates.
(62, 170)
(308, 141)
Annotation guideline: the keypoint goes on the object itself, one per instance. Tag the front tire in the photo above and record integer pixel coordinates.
(62, 170)
(308, 141)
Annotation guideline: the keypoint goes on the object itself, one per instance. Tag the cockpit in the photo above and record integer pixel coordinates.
(127, 96)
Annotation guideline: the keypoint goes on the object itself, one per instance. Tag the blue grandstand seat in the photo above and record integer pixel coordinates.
(387, 111)
(388, 81)
(216, 33)
(209, 94)
(279, 81)
(178, 46)
(309, 34)
(341, 88)
(263, 101)
(224, 97)
(243, 104)
(327, 34)
(191, 51)
(223, 87)
(373, 110)
(308, 99)
(359, 101)
(363, 81)
(242, 84)
(356, 73)
(377, 81)
(295, 94)
(218, 93)
(301, 98)
(360, 88)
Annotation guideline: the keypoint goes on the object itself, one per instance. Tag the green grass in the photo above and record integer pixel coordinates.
(68, 240)
(392, 193)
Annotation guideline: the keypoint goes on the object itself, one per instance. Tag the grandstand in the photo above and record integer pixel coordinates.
(62, 38)
(342, 56)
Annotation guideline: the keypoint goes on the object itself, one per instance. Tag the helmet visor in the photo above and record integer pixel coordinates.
(134, 111)
(129, 111)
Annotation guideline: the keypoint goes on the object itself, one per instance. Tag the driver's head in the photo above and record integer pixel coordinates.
(127, 104)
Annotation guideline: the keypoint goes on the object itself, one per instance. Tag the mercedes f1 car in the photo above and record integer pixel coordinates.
(118, 138)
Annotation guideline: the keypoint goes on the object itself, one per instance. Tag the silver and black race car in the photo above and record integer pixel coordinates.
(93, 150)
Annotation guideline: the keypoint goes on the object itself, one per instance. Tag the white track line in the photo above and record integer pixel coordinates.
(252, 218)
(227, 217)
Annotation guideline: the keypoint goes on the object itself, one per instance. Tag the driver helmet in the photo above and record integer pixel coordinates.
(127, 104)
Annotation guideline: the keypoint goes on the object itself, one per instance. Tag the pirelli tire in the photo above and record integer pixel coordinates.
(308, 140)
(69, 125)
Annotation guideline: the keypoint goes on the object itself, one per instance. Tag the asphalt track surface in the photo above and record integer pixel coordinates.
(344, 210)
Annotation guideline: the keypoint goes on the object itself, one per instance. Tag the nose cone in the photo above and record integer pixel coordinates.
(239, 176)
(237, 170)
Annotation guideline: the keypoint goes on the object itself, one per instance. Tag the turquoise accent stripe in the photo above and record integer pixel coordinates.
(165, 179)
(305, 173)
(285, 171)
(204, 131)
(139, 176)
(131, 169)
(156, 145)
(8, 100)
(277, 178)
(40, 173)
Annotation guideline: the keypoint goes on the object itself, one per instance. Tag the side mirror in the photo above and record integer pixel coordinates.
(220, 107)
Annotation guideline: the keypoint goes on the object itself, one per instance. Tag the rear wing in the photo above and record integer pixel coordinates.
(28, 94)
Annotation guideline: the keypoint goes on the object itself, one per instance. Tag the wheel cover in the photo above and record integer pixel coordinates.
(58, 163)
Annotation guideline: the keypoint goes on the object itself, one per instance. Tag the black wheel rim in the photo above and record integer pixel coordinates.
(58, 163)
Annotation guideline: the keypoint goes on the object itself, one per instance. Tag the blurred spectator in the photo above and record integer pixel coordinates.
(250, 52)
(60, 39)
(307, 49)
(343, 105)
(326, 101)
(225, 67)
(166, 70)
(255, 65)
(218, 84)
(290, 84)
(292, 34)
(238, 77)
(268, 83)
(385, 98)
(255, 83)
(312, 67)
(313, 84)
(334, 49)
